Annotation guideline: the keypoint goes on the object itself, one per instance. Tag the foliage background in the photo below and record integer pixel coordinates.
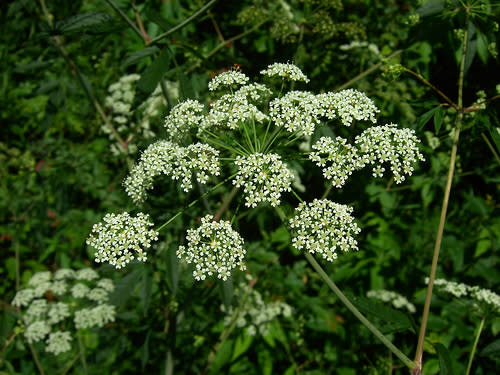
(58, 177)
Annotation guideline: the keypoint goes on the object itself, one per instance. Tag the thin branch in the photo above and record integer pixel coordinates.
(367, 72)
(490, 146)
(125, 18)
(444, 209)
(138, 18)
(438, 91)
(183, 23)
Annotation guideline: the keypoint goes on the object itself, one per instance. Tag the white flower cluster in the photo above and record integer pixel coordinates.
(214, 248)
(337, 158)
(182, 118)
(485, 300)
(389, 144)
(230, 110)
(287, 71)
(397, 300)
(167, 158)
(229, 78)
(120, 238)
(264, 177)
(119, 103)
(296, 111)
(254, 314)
(44, 316)
(347, 104)
(323, 226)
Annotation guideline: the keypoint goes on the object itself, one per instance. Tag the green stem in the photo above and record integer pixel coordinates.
(398, 353)
(444, 209)
(474, 347)
(183, 23)
(36, 359)
(81, 346)
(194, 202)
(490, 146)
(126, 19)
(408, 362)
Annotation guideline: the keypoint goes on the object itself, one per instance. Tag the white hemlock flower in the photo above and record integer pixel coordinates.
(287, 71)
(296, 111)
(264, 177)
(119, 238)
(58, 342)
(214, 248)
(323, 227)
(348, 105)
(227, 79)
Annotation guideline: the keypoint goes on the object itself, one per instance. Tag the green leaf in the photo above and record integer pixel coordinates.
(491, 349)
(222, 357)
(438, 119)
(431, 8)
(150, 78)
(495, 135)
(139, 55)
(422, 120)
(146, 287)
(482, 47)
(145, 351)
(125, 287)
(81, 22)
(241, 344)
(444, 359)
(398, 321)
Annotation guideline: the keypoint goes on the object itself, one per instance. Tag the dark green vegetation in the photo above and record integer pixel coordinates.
(59, 175)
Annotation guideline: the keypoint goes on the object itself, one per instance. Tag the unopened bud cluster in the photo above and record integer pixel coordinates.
(397, 300)
(49, 304)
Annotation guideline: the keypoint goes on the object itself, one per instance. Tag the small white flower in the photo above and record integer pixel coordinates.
(229, 78)
(58, 312)
(287, 71)
(323, 227)
(36, 311)
(388, 144)
(98, 295)
(337, 158)
(119, 238)
(86, 274)
(36, 331)
(397, 300)
(214, 248)
(58, 342)
(296, 111)
(79, 290)
(39, 278)
(64, 273)
(264, 177)
(182, 118)
(23, 297)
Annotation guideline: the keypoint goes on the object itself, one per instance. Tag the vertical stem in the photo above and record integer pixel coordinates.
(444, 209)
(81, 346)
(473, 351)
(18, 261)
(408, 362)
(36, 359)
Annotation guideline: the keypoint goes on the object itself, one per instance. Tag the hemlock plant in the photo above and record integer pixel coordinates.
(251, 137)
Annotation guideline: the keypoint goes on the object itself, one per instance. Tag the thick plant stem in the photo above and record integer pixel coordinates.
(474, 347)
(444, 209)
(398, 353)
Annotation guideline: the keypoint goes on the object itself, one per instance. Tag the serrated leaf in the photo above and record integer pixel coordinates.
(150, 78)
(445, 365)
(491, 349)
(422, 120)
(438, 119)
(139, 55)
(81, 22)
